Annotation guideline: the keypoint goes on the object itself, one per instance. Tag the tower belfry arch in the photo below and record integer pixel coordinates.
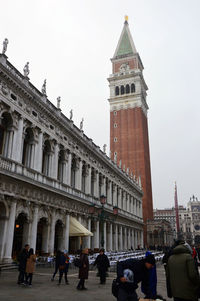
(128, 115)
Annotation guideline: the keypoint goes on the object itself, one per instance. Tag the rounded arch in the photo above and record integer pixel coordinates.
(116, 90)
(42, 236)
(127, 89)
(122, 90)
(6, 123)
(20, 233)
(46, 158)
(28, 152)
(58, 242)
(132, 88)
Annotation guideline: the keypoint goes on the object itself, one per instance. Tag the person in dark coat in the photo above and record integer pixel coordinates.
(23, 256)
(63, 267)
(152, 280)
(57, 262)
(83, 270)
(129, 273)
(183, 282)
(103, 264)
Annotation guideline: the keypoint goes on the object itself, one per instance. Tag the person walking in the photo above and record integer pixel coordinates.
(30, 267)
(22, 258)
(183, 282)
(83, 269)
(57, 262)
(63, 267)
(129, 273)
(103, 264)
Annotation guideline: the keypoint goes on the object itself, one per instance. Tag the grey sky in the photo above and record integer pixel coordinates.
(71, 42)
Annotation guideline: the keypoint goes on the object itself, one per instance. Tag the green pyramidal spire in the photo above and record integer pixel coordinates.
(125, 45)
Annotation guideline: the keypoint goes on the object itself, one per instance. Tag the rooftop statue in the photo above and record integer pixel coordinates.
(104, 148)
(58, 102)
(71, 114)
(5, 45)
(26, 69)
(81, 124)
(44, 92)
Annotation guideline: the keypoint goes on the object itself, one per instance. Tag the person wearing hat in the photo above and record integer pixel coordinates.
(103, 264)
(83, 269)
(130, 272)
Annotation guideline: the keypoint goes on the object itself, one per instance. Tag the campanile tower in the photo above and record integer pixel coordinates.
(129, 142)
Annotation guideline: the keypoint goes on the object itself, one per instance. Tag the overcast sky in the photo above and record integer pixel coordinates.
(71, 42)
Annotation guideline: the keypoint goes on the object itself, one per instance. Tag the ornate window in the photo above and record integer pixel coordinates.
(61, 165)
(132, 88)
(92, 181)
(122, 90)
(28, 148)
(116, 91)
(46, 158)
(73, 172)
(6, 135)
(127, 89)
(83, 181)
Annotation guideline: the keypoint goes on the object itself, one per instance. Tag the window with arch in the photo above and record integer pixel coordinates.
(83, 182)
(46, 158)
(132, 88)
(61, 165)
(6, 134)
(115, 139)
(122, 90)
(92, 181)
(116, 91)
(28, 148)
(115, 125)
(115, 113)
(73, 172)
(127, 89)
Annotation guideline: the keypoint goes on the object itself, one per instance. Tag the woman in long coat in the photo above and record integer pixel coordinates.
(83, 270)
(30, 267)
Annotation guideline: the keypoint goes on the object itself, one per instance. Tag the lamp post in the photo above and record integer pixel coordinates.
(103, 216)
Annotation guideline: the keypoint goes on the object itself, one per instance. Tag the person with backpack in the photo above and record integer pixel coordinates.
(129, 273)
(83, 269)
(63, 267)
(30, 267)
(103, 264)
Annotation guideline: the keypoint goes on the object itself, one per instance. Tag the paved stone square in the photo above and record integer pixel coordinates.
(43, 289)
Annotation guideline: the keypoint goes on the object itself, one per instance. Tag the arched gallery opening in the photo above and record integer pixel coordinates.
(20, 234)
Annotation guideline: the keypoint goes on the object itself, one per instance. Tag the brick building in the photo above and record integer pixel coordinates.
(129, 142)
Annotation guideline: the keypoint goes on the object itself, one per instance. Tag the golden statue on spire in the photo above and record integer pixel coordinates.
(126, 18)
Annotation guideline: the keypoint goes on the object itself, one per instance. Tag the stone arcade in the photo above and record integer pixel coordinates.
(50, 170)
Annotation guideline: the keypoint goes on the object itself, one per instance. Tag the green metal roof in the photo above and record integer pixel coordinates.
(125, 45)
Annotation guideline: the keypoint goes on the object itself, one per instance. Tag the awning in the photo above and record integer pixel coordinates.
(76, 229)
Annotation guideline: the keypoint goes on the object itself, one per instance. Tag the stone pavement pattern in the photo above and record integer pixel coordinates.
(45, 290)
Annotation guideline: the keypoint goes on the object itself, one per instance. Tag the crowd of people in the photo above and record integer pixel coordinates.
(180, 262)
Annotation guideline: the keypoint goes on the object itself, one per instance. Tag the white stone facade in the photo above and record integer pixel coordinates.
(49, 170)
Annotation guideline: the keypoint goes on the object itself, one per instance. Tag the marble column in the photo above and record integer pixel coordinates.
(132, 239)
(96, 185)
(89, 237)
(10, 233)
(38, 153)
(110, 237)
(52, 234)
(34, 229)
(96, 237)
(66, 232)
(104, 234)
(17, 142)
(68, 169)
(120, 238)
(88, 180)
(55, 162)
(125, 238)
(129, 238)
(114, 195)
(78, 176)
(116, 238)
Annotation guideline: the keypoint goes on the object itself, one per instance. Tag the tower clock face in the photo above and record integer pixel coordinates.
(197, 227)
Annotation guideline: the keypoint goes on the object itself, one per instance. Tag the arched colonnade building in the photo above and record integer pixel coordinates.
(50, 170)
